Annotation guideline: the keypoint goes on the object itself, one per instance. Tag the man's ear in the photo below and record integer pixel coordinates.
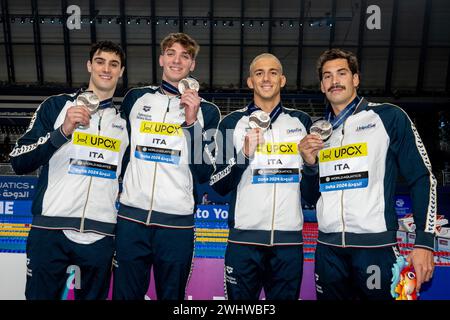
(356, 80)
(89, 66)
(283, 81)
(121, 72)
(322, 88)
(192, 66)
(250, 83)
(161, 61)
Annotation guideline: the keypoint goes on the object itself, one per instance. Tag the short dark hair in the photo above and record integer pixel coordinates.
(332, 54)
(183, 39)
(108, 46)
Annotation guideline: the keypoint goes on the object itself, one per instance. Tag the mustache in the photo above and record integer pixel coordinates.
(337, 86)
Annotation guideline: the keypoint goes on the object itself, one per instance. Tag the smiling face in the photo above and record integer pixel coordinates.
(266, 79)
(338, 83)
(105, 69)
(177, 63)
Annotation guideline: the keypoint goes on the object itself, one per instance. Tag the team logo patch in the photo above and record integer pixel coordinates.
(293, 131)
(118, 126)
(365, 127)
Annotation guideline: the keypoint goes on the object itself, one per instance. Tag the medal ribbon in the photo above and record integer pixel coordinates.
(170, 88)
(336, 121)
(106, 103)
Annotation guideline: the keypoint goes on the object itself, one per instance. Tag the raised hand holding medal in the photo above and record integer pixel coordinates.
(259, 121)
(312, 143)
(78, 116)
(91, 101)
(190, 100)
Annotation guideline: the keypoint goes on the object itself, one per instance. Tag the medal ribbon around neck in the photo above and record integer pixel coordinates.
(336, 121)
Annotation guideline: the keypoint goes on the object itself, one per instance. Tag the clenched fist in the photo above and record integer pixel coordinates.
(309, 147)
(252, 139)
(75, 116)
(190, 100)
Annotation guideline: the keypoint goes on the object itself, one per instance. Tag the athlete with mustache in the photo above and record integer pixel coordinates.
(358, 165)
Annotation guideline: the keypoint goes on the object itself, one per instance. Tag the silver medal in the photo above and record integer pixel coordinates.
(90, 100)
(188, 83)
(259, 119)
(322, 128)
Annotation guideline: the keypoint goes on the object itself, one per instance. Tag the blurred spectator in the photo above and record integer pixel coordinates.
(5, 149)
(205, 198)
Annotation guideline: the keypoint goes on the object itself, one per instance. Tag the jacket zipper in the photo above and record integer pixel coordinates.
(154, 172)
(272, 234)
(342, 191)
(342, 196)
(90, 180)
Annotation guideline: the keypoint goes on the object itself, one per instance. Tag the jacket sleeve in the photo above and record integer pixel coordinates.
(125, 109)
(230, 163)
(415, 167)
(309, 185)
(200, 143)
(35, 148)
(125, 161)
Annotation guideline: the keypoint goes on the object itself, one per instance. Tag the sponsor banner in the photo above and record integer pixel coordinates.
(10, 208)
(16, 197)
(211, 230)
(211, 213)
(17, 188)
